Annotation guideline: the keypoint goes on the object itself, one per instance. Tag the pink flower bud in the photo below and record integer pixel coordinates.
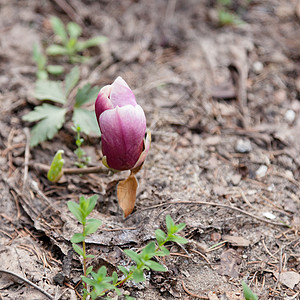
(122, 124)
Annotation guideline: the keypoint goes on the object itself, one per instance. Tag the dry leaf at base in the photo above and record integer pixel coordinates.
(126, 192)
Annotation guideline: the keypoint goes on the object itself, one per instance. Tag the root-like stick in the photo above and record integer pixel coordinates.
(71, 171)
(27, 153)
(28, 282)
(217, 205)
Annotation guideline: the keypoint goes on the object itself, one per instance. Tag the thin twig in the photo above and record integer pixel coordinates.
(217, 205)
(70, 11)
(71, 171)
(27, 153)
(192, 294)
(28, 282)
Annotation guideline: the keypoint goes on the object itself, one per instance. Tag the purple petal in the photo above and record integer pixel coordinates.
(103, 102)
(123, 130)
(121, 94)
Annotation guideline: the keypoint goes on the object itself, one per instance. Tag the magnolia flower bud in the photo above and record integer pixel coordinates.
(122, 124)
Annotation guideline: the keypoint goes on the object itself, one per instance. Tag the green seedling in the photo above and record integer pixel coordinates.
(55, 172)
(82, 159)
(225, 16)
(41, 62)
(68, 41)
(50, 118)
(99, 283)
(248, 294)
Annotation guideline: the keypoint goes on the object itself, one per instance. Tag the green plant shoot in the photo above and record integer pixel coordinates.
(248, 294)
(50, 118)
(68, 39)
(82, 159)
(98, 283)
(55, 172)
(41, 62)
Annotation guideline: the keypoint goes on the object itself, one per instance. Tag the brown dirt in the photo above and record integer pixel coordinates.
(205, 90)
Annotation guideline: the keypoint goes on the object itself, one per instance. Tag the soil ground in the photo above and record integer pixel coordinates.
(223, 107)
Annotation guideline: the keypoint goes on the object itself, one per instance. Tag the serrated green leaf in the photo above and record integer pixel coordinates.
(77, 249)
(56, 50)
(50, 90)
(89, 270)
(138, 275)
(92, 226)
(86, 94)
(92, 42)
(248, 294)
(155, 266)
(123, 270)
(55, 171)
(59, 28)
(77, 238)
(133, 255)
(86, 120)
(71, 80)
(75, 210)
(55, 69)
(52, 120)
(160, 236)
(74, 30)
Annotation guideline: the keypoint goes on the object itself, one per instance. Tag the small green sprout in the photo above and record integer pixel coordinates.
(55, 172)
(248, 294)
(41, 61)
(68, 39)
(50, 118)
(82, 159)
(98, 283)
(225, 16)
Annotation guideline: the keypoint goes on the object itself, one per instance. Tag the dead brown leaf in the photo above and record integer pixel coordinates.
(290, 278)
(229, 263)
(126, 192)
(236, 240)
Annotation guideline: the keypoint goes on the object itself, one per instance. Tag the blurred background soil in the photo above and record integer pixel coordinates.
(222, 103)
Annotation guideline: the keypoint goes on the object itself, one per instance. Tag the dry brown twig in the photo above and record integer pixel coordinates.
(217, 205)
(71, 171)
(192, 294)
(49, 296)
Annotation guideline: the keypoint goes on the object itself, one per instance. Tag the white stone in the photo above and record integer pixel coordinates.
(258, 67)
(243, 146)
(290, 116)
(261, 171)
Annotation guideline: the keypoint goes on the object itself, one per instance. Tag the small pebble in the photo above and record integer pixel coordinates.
(261, 171)
(290, 116)
(235, 179)
(269, 215)
(243, 146)
(258, 67)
